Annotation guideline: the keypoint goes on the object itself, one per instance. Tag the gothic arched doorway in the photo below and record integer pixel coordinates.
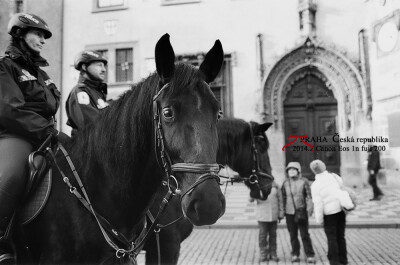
(310, 108)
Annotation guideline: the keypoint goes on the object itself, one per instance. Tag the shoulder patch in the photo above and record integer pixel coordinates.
(83, 98)
(48, 82)
(101, 104)
(26, 76)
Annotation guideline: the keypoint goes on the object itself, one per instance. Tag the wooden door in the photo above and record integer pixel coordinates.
(310, 108)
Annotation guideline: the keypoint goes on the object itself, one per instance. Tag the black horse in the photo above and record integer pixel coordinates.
(169, 117)
(242, 146)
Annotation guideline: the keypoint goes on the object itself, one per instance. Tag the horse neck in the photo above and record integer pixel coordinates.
(119, 164)
(231, 149)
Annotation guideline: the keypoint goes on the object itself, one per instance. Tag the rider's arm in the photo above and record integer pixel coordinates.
(16, 115)
(81, 108)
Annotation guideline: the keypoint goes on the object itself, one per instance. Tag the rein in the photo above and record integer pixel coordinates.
(130, 248)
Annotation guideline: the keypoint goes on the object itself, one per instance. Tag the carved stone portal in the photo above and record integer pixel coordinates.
(330, 66)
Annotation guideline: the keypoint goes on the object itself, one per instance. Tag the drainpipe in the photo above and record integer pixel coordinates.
(365, 69)
(61, 66)
(260, 55)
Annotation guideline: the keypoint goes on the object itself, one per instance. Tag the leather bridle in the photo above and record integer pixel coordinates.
(131, 248)
(206, 171)
(256, 173)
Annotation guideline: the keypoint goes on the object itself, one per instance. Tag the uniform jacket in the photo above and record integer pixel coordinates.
(270, 209)
(85, 102)
(28, 97)
(300, 188)
(328, 196)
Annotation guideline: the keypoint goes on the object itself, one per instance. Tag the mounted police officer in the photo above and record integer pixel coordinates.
(28, 102)
(88, 98)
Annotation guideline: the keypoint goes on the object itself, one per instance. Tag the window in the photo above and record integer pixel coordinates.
(121, 66)
(178, 2)
(18, 6)
(124, 65)
(109, 5)
(222, 85)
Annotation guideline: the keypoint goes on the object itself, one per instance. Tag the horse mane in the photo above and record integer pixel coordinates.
(119, 143)
(231, 133)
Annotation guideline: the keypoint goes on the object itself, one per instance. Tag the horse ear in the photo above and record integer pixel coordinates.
(165, 58)
(264, 127)
(213, 62)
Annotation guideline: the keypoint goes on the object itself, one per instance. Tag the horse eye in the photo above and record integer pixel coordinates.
(167, 113)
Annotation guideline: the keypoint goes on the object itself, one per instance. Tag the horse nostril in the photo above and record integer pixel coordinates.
(192, 206)
(223, 205)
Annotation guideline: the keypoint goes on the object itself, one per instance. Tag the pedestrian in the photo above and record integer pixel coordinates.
(268, 213)
(28, 102)
(297, 199)
(373, 167)
(88, 98)
(328, 198)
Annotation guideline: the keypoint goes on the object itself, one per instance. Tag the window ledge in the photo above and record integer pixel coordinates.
(106, 9)
(120, 84)
(178, 2)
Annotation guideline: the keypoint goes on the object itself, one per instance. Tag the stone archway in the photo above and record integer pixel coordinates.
(337, 71)
(339, 74)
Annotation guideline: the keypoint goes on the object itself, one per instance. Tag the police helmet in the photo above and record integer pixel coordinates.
(25, 21)
(87, 57)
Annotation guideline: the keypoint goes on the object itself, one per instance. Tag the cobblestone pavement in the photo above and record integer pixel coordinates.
(373, 234)
(240, 212)
(240, 247)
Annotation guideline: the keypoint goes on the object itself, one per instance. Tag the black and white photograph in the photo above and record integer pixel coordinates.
(191, 132)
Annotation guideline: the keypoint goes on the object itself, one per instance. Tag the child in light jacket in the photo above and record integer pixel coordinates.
(268, 212)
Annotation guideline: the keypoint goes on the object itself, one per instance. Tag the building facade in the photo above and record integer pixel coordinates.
(325, 69)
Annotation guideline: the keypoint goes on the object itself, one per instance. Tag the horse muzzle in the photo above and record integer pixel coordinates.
(202, 202)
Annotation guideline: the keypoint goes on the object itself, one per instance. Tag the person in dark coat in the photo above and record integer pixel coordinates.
(88, 98)
(296, 193)
(29, 100)
(373, 168)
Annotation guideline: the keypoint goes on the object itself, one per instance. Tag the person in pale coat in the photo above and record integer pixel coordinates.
(329, 199)
(268, 213)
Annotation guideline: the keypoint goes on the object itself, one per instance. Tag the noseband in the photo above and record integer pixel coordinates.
(206, 171)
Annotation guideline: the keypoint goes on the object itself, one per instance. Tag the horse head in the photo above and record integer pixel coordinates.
(260, 180)
(186, 130)
(243, 146)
